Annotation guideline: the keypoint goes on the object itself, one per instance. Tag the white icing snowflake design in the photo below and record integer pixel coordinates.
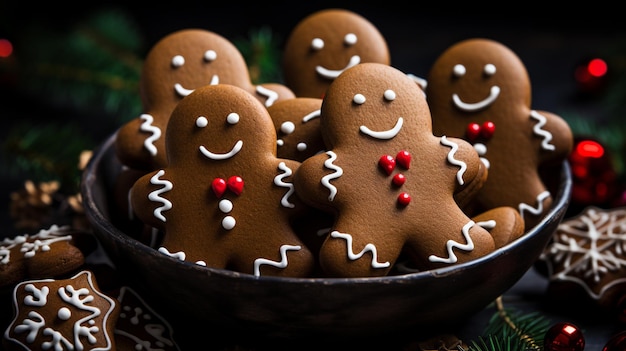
(588, 247)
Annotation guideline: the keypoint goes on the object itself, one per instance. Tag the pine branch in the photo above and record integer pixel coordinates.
(44, 153)
(510, 330)
(262, 55)
(94, 67)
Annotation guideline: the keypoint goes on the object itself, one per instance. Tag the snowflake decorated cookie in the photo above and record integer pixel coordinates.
(479, 90)
(587, 257)
(174, 67)
(63, 314)
(389, 182)
(139, 326)
(49, 253)
(225, 200)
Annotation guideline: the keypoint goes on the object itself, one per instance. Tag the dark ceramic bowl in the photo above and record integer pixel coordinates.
(299, 307)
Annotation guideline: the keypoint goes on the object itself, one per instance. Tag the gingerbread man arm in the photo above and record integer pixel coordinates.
(558, 139)
(314, 180)
(139, 143)
(148, 198)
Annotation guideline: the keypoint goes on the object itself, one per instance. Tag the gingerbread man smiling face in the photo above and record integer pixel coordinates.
(388, 180)
(225, 200)
(479, 90)
(326, 43)
(175, 66)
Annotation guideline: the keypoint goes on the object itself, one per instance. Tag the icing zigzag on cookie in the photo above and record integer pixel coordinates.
(454, 161)
(147, 126)
(280, 264)
(272, 96)
(156, 195)
(369, 247)
(278, 180)
(451, 244)
(538, 129)
(338, 173)
(539, 209)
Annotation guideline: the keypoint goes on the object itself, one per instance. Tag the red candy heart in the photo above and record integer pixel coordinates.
(474, 130)
(219, 186)
(235, 184)
(387, 163)
(404, 159)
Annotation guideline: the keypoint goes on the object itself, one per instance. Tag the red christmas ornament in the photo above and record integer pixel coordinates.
(616, 343)
(564, 337)
(592, 75)
(595, 180)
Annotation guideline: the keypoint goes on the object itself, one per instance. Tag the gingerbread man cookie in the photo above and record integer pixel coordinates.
(326, 43)
(479, 90)
(297, 126)
(63, 314)
(176, 65)
(388, 180)
(225, 200)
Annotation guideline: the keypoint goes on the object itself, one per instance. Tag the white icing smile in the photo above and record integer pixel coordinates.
(493, 95)
(223, 156)
(385, 134)
(332, 74)
(182, 91)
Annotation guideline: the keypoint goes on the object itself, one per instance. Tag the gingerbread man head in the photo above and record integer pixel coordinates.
(387, 179)
(479, 90)
(326, 43)
(297, 125)
(175, 66)
(224, 200)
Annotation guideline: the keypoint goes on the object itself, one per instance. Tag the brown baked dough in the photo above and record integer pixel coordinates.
(479, 90)
(225, 200)
(388, 180)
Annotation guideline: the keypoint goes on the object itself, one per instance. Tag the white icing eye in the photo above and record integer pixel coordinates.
(233, 118)
(280, 142)
(301, 146)
(317, 44)
(287, 127)
(350, 39)
(359, 99)
(458, 70)
(489, 69)
(178, 61)
(202, 122)
(389, 95)
(210, 55)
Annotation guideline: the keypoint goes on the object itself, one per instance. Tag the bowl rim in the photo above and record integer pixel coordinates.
(94, 214)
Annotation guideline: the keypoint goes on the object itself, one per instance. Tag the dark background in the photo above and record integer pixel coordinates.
(551, 42)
